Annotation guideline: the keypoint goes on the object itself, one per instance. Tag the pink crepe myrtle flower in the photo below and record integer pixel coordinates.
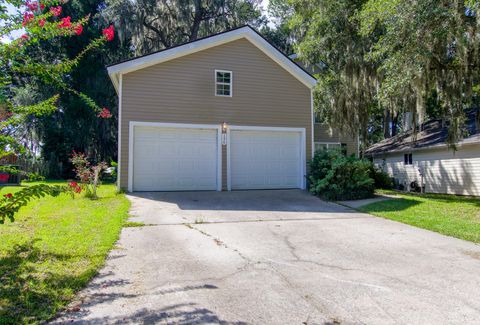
(109, 33)
(65, 23)
(33, 6)
(78, 29)
(27, 18)
(105, 113)
(56, 11)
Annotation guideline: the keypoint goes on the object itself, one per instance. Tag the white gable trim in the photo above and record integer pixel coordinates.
(244, 32)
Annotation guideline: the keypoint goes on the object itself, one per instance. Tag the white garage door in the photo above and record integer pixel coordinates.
(174, 159)
(265, 159)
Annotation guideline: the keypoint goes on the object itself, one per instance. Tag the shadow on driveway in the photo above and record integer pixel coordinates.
(265, 200)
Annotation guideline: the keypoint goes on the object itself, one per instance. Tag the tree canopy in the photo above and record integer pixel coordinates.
(152, 25)
(389, 55)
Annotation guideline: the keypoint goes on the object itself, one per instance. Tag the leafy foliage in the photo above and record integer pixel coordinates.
(389, 56)
(152, 25)
(89, 175)
(35, 177)
(24, 62)
(11, 203)
(334, 176)
(382, 180)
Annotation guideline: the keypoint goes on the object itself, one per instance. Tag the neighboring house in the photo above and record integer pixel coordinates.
(225, 112)
(427, 159)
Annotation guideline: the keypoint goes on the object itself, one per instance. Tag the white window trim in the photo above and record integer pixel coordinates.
(131, 141)
(223, 83)
(303, 154)
(326, 143)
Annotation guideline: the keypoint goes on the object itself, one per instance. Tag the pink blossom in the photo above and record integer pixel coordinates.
(56, 11)
(66, 22)
(109, 33)
(105, 113)
(27, 18)
(78, 29)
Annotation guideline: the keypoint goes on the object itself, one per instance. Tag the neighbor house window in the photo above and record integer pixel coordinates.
(223, 83)
(408, 159)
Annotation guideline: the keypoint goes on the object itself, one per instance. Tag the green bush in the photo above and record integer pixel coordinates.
(34, 177)
(381, 179)
(334, 176)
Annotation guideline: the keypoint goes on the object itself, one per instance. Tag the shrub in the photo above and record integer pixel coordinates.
(381, 179)
(34, 177)
(334, 176)
(89, 175)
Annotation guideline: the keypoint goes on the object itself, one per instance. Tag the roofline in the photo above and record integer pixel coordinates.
(208, 42)
(413, 149)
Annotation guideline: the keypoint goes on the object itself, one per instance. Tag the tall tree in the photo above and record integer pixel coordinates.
(328, 32)
(75, 126)
(153, 25)
(390, 55)
(428, 49)
(23, 64)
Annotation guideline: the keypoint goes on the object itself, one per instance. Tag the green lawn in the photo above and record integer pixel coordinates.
(55, 246)
(447, 214)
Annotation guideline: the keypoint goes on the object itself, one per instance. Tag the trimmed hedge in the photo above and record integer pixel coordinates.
(334, 176)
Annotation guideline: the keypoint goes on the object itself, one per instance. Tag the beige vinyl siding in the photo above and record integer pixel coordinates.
(445, 171)
(323, 133)
(183, 91)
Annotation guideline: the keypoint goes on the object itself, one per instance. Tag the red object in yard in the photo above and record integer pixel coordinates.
(4, 177)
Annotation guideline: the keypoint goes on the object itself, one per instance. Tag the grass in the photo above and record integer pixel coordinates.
(450, 215)
(52, 250)
(133, 224)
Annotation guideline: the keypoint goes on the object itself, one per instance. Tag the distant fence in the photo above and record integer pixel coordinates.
(33, 166)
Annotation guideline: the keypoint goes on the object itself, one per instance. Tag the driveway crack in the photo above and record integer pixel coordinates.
(220, 243)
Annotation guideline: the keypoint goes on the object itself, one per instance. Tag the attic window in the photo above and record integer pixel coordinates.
(223, 83)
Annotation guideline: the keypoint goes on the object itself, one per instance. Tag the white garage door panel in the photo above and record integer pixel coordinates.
(265, 159)
(171, 159)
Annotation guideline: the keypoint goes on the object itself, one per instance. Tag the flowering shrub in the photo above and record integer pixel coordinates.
(39, 24)
(41, 20)
(75, 188)
(88, 175)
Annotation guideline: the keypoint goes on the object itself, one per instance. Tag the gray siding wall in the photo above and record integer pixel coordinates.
(444, 171)
(182, 91)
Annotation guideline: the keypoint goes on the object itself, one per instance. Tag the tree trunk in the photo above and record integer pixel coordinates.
(394, 123)
(197, 19)
(386, 123)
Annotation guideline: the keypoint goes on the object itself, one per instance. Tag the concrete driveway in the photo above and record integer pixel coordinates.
(278, 257)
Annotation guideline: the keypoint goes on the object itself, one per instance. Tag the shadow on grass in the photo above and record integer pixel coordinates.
(30, 288)
(390, 205)
(444, 198)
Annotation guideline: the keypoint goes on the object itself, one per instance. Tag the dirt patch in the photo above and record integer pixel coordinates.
(475, 255)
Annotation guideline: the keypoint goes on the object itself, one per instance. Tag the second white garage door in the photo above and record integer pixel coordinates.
(266, 159)
(175, 159)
